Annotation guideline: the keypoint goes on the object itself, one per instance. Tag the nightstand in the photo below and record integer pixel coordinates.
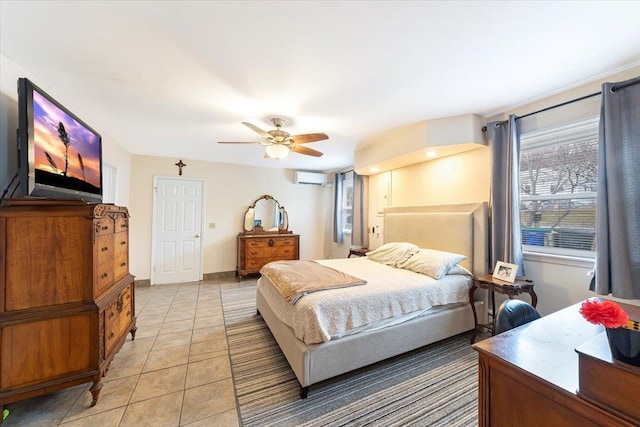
(493, 285)
(358, 252)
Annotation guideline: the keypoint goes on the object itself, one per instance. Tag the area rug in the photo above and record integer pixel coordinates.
(436, 385)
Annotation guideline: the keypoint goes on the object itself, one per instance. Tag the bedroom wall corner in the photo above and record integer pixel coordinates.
(461, 178)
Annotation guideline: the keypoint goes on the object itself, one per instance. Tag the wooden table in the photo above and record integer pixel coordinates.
(493, 285)
(529, 376)
(358, 252)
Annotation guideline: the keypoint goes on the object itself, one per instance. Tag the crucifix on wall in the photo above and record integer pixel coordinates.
(180, 165)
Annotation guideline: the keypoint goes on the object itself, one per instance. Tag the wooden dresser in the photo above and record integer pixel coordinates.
(67, 300)
(256, 250)
(530, 376)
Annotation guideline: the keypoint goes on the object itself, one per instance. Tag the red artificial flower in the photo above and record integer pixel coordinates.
(606, 313)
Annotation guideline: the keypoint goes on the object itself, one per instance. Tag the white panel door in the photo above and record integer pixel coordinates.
(177, 224)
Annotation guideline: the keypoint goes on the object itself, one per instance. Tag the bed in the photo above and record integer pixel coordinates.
(461, 229)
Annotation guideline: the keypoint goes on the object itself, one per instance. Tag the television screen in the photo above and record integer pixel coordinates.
(62, 157)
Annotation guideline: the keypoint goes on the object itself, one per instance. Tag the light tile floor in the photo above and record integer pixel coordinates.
(175, 373)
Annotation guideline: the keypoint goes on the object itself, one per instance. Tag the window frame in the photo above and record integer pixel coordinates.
(346, 204)
(577, 131)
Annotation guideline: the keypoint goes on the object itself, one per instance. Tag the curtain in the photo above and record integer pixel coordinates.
(338, 235)
(360, 232)
(506, 240)
(618, 218)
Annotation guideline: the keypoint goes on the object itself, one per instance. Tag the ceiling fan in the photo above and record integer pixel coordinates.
(279, 143)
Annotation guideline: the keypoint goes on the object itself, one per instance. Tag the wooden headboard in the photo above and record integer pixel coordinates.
(459, 228)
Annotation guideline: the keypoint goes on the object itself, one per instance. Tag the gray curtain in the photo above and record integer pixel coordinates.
(338, 235)
(360, 232)
(618, 212)
(506, 240)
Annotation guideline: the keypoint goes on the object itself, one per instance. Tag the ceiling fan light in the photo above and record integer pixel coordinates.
(277, 151)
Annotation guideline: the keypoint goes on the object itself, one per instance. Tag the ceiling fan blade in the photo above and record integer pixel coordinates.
(257, 130)
(308, 137)
(238, 142)
(305, 150)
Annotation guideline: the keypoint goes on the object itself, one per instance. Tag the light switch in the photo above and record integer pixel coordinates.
(212, 225)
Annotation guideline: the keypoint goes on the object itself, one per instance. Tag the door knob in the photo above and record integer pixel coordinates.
(196, 235)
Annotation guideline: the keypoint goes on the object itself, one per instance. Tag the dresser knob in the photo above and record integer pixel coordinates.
(271, 242)
(104, 249)
(104, 275)
(123, 264)
(124, 242)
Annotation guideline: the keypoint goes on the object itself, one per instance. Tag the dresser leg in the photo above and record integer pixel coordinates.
(133, 330)
(95, 390)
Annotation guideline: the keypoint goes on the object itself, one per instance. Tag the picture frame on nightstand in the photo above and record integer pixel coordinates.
(505, 271)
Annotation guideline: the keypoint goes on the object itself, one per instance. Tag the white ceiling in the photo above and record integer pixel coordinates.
(170, 78)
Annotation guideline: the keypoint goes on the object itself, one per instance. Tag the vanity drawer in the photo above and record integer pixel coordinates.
(256, 251)
(270, 242)
(257, 263)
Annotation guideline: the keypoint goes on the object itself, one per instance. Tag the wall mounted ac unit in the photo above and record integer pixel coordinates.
(311, 178)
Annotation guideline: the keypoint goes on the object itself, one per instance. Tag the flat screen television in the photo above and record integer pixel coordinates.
(59, 155)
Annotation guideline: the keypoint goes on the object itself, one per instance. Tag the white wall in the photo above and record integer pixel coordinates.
(229, 190)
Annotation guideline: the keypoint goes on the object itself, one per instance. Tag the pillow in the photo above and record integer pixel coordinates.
(460, 270)
(393, 253)
(432, 263)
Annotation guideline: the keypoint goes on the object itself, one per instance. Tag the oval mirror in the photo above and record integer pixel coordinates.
(265, 215)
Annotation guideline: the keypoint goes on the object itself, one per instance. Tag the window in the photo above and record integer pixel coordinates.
(109, 175)
(347, 204)
(558, 184)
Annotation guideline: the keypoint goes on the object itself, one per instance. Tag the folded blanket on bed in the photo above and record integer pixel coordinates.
(295, 279)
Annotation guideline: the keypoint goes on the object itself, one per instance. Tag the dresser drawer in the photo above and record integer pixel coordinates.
(256, 251)
(121, 266)
(121, 243)
(276, 252)
(104, 249)
(103, 276)
(257, 263)
(119, 327)
(270, 242)
(103, 226)
(117, 318)
(122, 224)
(285, 253)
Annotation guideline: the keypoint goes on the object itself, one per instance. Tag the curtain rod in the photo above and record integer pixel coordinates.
(582, 98)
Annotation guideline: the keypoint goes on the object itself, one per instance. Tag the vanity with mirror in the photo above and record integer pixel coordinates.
(265, 236)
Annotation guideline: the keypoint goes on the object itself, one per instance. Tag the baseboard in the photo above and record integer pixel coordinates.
(219, 275)
(206, 276)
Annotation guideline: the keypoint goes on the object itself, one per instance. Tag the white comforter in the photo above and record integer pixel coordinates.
(389, 293)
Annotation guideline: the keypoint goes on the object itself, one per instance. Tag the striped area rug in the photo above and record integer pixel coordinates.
(432, 386)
